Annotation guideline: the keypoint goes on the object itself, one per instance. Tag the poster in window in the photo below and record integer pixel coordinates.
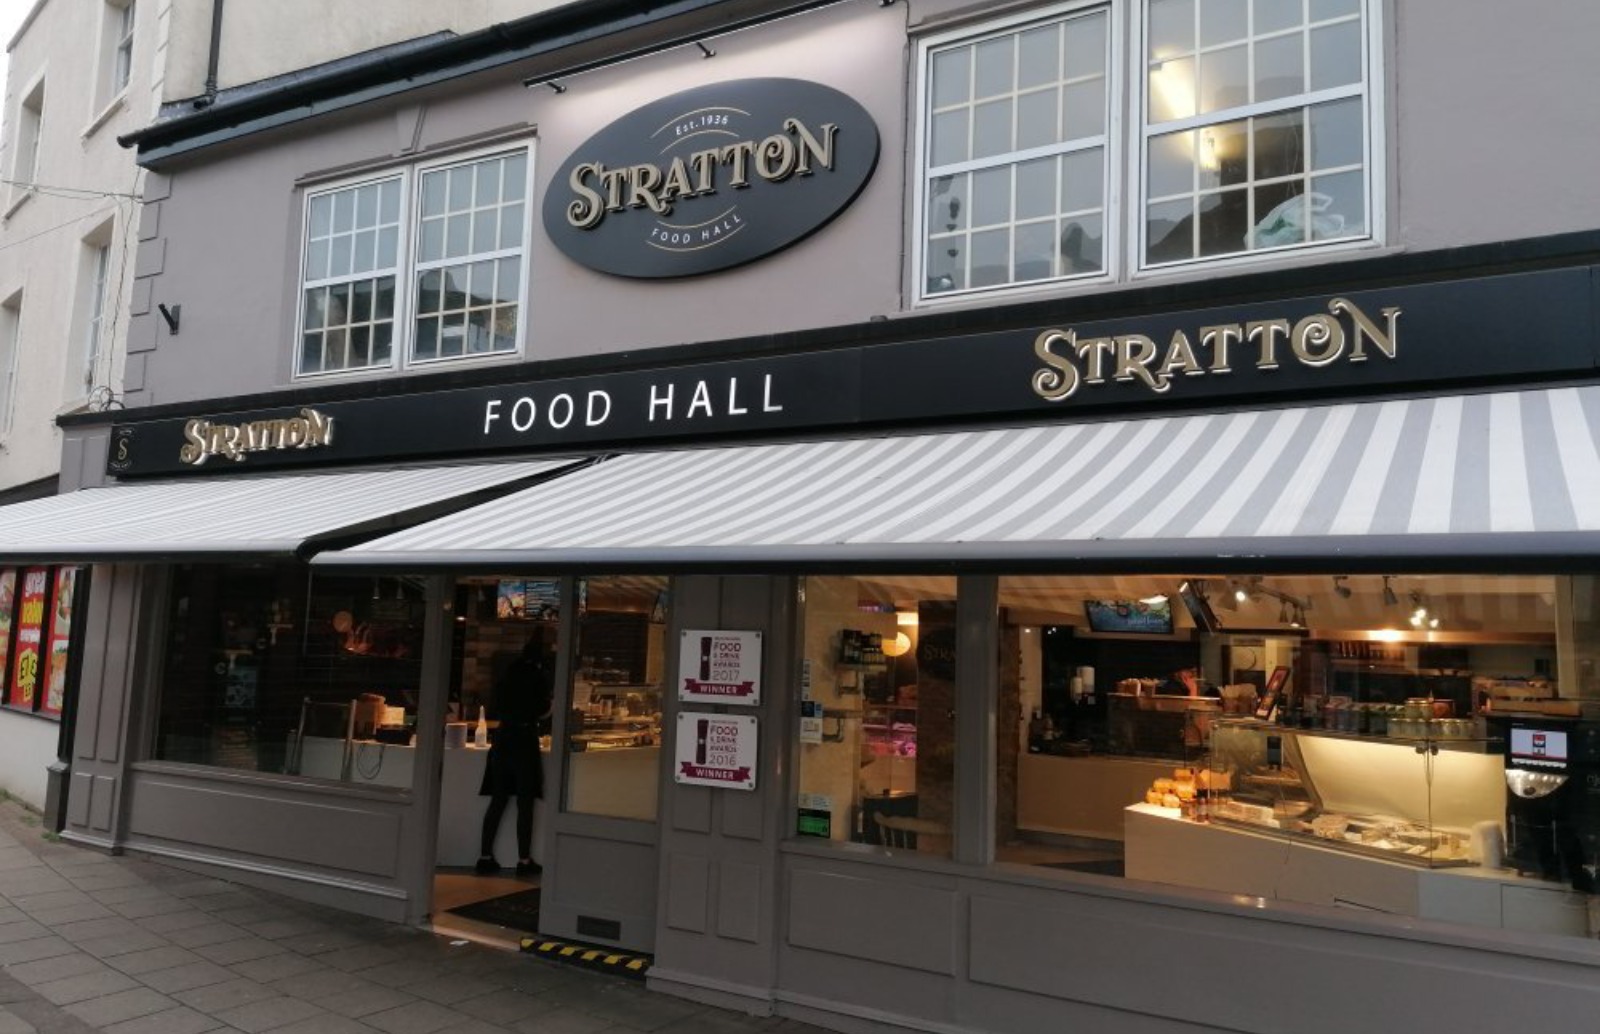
(55, 682)
(30, 634)
(8, 607)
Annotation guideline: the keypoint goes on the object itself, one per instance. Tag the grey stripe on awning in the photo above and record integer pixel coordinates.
(233, 515)
(1432, 475)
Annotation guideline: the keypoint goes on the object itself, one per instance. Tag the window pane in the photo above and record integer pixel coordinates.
(886, 653)
(1280, 68)
(511, 226)
(360, 346)
(339, 256)
(995, 69)
(1273, 15)
(991, 129)
(316, 260)
(1036, 188)
(382, 343)
(482, 284)
(1172, 164)
(1335, 55)
(485, 229)
(1224, 155)
(1039, 57)
(388, 247)
(1169, 229)
(952, 74)
(1084, 109)
(1281, 216)
(1172, 89)
(384, 304)
(430, 248)
(514, 181)
(459, 189)
(365, 253)
(1224, 218)
(949, 138)
(1171, 28)
(1223, 21)
(334, 352)
(321, 215)
(991, 197)
(1083, 245)
(1224, 79)
(316, 314)
(505, 328)
(946, 271)
(433, 184)
(486, 191)
(1280, 145)
(1344, 212)
(1037, 124)
(338, 305)
(427, 343)
(1336, 134)
(367, 205)
(1081, 180)
(991, 254)
(311, 353)
(948, 208)
(1035, 251)
(1322, 10)
(478, 335)
(618, 667)
(389, 201)
(361, 302)
(458, 234)
(509, 281)
(452, 333)
(344, 211)
(1085, 46)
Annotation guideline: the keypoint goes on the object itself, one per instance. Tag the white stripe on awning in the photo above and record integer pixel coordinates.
(268, 515)
(1424, 477)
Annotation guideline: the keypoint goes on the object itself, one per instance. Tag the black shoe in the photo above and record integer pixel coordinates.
(529, 867)
(487, 866)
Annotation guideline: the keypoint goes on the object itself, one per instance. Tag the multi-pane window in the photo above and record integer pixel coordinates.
(457, 288)
(351, 265)
(11, 341)
(469, 257)
(1255, 126)
(1248, 130)
(30, 129)
(1016, 155)
(121, 45)
(94, 328)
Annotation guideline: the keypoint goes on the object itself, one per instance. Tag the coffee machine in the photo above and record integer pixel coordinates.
(1553, 808)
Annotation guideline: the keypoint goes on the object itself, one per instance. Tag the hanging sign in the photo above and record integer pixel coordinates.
(711, 178)
(716, 750)
(719, 667)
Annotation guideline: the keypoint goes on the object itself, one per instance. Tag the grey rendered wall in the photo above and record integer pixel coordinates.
(718, 930)
(220, 236)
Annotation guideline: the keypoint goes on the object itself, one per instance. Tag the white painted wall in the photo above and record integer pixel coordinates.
(27, 746)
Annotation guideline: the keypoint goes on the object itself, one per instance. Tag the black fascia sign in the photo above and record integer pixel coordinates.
(711, 178)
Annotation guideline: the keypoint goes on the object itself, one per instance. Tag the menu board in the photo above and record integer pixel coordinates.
(55, 681)
(30, 637)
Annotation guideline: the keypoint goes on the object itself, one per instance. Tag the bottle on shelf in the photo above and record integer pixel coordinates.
(480, 735)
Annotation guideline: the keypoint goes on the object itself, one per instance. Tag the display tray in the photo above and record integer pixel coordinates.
(1356, 847)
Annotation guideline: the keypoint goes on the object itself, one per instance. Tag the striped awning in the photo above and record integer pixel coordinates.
(252, 516)
(1493, 474)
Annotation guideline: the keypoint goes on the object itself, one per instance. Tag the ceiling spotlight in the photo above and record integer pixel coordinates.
(1240, 595)
(1340, 589)
(1389, 597)
(1298, 618)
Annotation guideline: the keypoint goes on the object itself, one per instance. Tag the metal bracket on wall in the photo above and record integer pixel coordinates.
(170, 315)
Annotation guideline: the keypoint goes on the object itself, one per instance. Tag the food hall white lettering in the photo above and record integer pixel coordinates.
(663, 402)
(1344, 333)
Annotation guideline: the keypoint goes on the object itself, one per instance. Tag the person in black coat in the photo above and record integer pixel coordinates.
(521, 703)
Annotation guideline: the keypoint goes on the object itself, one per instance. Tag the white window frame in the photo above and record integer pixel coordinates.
(95, 325)
(1370, 89)
(28, 140)
(1125, 169)
(11, 308)
(406, 270)
(1112, 170)
(120, 25)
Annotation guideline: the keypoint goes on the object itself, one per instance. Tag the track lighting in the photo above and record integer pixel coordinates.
(1389, 597)
(1340, 589)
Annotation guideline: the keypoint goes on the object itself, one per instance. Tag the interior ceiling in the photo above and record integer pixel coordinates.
(1522, 603)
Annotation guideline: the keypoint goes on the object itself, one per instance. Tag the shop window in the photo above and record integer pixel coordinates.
(270, 669)
(1320, 739)
(1253, 126)
(36, 614)
(613, 755)
(381, 289)
(877, 738)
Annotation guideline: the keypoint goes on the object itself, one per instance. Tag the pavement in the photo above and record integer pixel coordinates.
(90, 942)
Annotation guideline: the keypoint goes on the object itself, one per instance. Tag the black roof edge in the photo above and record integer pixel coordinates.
(1354, 273)
(385, 72)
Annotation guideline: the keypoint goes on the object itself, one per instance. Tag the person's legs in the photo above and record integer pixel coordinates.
(491, 826)
(525, 862)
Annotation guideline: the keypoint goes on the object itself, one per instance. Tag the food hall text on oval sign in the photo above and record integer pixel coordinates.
(711, 178)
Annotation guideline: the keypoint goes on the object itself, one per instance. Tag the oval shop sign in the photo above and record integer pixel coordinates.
(711, 178)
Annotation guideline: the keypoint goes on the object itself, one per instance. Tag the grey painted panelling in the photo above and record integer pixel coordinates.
(80, 797)
(133, 373)
(883, 918)
(594, 870)
(740, 901)
(287, 825)
(691, 809)
(151, 257)
(102, 804)
(139, 299)
(150, 221)
(688, 893)
(743, 812)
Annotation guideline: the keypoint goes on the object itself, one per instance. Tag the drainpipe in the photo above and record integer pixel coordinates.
(212, 57)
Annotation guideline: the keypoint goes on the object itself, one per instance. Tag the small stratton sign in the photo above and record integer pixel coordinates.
(204, 439)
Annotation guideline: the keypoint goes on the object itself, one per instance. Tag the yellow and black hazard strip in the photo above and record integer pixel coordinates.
(588, 956)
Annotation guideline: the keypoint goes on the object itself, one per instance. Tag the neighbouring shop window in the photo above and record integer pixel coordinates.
(269, 668)
(420, 265)
(36, 612)
(618, 668)
(877, 736)
(1252, 132)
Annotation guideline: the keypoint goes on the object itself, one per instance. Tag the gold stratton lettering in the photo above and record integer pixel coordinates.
(204, 439)
(1343, 333)
(797, 151)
